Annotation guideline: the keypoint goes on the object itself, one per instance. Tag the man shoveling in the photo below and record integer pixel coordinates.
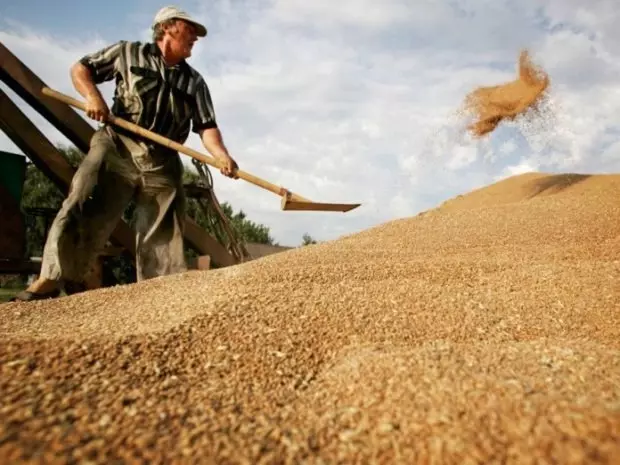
(156, 89)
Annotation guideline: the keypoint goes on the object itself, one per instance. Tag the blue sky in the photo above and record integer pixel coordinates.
(350, 101)
(66, 18)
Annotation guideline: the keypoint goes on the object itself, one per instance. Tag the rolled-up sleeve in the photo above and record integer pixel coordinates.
(204, 115)
(103, 63)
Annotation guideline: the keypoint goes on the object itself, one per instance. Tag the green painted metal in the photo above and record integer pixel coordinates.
(12, 174)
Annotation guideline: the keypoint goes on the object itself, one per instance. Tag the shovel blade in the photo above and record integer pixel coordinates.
(295, 205)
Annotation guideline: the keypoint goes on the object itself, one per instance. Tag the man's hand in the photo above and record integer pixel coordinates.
(229, 167)
(214, 143)
(96, 108)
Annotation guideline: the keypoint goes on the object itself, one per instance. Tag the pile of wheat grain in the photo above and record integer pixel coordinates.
(484, 331)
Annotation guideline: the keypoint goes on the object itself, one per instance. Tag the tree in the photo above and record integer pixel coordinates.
(307, 239)
(245, 229)
(40, 195)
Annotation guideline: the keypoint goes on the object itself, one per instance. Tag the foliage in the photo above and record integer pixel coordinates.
(6, 293)
(245, 229)
(40, 193)
(307, 239)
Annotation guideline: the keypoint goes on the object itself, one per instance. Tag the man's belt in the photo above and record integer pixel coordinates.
(154, 146)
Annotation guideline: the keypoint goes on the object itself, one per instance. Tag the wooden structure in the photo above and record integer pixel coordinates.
(12, 225)
(78, 131)
(262, 250)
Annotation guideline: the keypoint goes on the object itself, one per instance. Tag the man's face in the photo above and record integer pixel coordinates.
(182, 38)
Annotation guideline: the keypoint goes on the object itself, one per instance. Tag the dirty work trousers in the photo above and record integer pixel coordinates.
(116, 170)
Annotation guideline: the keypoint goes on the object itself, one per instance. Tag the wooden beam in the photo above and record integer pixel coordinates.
(19, 266)
(27, 137)
(28, 86)
(199, 263)
(47, 158)
(204, 241)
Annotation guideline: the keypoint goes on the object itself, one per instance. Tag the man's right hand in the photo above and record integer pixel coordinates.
(97, 109)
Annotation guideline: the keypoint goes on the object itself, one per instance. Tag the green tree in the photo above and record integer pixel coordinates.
(307, 239)
(43, 199)
(244, 228)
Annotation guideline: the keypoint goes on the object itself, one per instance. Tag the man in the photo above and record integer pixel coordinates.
(157, 89)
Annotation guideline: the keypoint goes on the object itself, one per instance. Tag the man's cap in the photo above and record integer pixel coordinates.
(172, 12)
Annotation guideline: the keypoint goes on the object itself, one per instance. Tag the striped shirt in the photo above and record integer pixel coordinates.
(161, 98)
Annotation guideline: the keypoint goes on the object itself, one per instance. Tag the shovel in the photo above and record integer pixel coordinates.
(290, 200)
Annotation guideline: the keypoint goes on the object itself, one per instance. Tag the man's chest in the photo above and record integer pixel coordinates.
(149, 78)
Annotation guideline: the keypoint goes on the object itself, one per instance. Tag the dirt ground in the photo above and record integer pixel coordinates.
(484, 331)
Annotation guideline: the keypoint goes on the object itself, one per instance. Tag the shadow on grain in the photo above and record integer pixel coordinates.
(556, 183)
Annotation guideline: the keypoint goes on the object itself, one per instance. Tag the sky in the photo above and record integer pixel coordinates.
(357, 101)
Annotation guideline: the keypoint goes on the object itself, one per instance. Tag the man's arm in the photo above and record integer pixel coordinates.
(94, 69)
(205, 125)
(96, 108)
(214, 143)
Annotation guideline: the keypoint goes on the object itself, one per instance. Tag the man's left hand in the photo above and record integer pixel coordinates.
(229, 168)
(212, 140)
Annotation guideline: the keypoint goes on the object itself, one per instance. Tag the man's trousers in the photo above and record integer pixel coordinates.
(117, 169)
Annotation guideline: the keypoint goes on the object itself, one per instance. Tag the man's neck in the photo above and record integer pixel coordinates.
(169, 58)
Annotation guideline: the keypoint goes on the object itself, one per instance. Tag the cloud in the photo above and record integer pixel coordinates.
(354, 102)
(52, 67)
(362, 14)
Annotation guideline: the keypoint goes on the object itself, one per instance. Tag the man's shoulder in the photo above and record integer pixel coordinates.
(133, 45)
(132, 50)
(139, 45)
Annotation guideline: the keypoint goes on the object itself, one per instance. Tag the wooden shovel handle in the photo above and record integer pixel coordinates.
(176, 146)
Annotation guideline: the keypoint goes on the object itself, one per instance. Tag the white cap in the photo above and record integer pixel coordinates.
(170, 12)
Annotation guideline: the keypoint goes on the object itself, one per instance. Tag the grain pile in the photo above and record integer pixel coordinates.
(491, 105)
(484, 331)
